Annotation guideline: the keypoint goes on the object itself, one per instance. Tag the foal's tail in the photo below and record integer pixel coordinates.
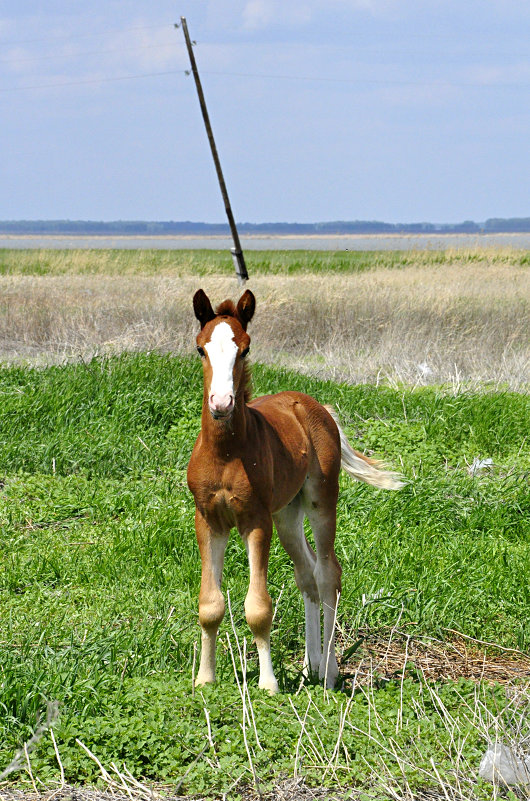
(361, 467)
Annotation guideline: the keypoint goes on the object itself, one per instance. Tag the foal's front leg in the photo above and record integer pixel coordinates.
(212, 548)
(258, 604)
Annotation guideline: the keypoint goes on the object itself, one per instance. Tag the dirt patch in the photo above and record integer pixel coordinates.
(399, 654)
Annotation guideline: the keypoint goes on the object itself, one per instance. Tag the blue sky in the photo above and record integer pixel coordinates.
(395, 110)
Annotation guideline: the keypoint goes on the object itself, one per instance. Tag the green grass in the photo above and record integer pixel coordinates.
(99, 574)
(262, 262)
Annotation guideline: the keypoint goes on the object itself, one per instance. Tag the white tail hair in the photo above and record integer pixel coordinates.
(361, 467)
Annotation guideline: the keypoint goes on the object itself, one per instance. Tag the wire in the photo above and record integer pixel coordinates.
(152, 47)
(355, 81)
(83, 35)
(91, 53)
(361, 80)
(57, 85)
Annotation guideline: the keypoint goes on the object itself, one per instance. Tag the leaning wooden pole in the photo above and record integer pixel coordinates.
(236, 251)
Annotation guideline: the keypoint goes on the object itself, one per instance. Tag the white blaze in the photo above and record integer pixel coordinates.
(222, 352)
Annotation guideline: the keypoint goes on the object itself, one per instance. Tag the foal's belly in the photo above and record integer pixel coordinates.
(281, 422)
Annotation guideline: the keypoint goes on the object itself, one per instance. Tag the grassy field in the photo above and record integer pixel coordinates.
(259, 262)
(100, 574)
(414, 317)
(99, 570)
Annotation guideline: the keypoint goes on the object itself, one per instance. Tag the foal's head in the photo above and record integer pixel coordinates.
(223, 344)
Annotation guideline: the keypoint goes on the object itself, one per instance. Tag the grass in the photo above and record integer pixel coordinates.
(100, 572)
(219, 262)
(415, 317)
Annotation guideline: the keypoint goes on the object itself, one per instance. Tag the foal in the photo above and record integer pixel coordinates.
(273, 459)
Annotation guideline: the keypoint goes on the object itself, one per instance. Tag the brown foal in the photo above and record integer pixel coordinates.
(274, 459)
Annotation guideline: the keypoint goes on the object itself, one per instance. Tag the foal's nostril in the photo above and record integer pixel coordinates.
(221, 403)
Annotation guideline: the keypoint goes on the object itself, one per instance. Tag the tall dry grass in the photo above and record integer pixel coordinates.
(421, 323)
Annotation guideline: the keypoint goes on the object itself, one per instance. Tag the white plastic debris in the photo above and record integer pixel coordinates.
(501, 765)
(367, 599)
(479, 464)
(424, 370)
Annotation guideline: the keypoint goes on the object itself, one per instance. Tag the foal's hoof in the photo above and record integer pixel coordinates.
(200, 681)
(310, 674)
(330, 675)
(270, 686)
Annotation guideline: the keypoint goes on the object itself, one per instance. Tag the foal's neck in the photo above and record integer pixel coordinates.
(225, 437)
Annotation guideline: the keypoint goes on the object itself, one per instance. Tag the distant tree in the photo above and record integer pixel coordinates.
(513, 224)
(157, 228)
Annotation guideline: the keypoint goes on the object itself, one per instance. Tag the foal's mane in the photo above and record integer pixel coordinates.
(228, 309)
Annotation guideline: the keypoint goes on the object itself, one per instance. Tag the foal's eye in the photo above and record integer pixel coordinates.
(201, 353)
(245, 352)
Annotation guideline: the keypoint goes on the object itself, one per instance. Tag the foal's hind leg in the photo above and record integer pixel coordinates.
(320, 499)
(290, 527)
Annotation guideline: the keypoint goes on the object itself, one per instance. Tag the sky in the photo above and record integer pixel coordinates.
(391, 110)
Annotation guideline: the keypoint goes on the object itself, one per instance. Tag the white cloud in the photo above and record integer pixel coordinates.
(261, 14)
(146, 48)
(15, 59)
(257, 14)
(497, 75)
(137, 48)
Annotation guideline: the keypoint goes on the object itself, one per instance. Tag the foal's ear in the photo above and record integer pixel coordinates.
(245, 308)
(202, 307)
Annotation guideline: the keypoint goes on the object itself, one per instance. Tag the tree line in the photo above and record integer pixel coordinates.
(187, 228)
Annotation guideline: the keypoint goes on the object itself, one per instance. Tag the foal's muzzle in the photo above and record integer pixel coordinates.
(221, 406)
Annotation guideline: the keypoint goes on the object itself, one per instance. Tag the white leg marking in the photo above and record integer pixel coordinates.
(267, 679)
(327, 576)
(313, 645)
(329, 669)
(290, 526)
(206, 673)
